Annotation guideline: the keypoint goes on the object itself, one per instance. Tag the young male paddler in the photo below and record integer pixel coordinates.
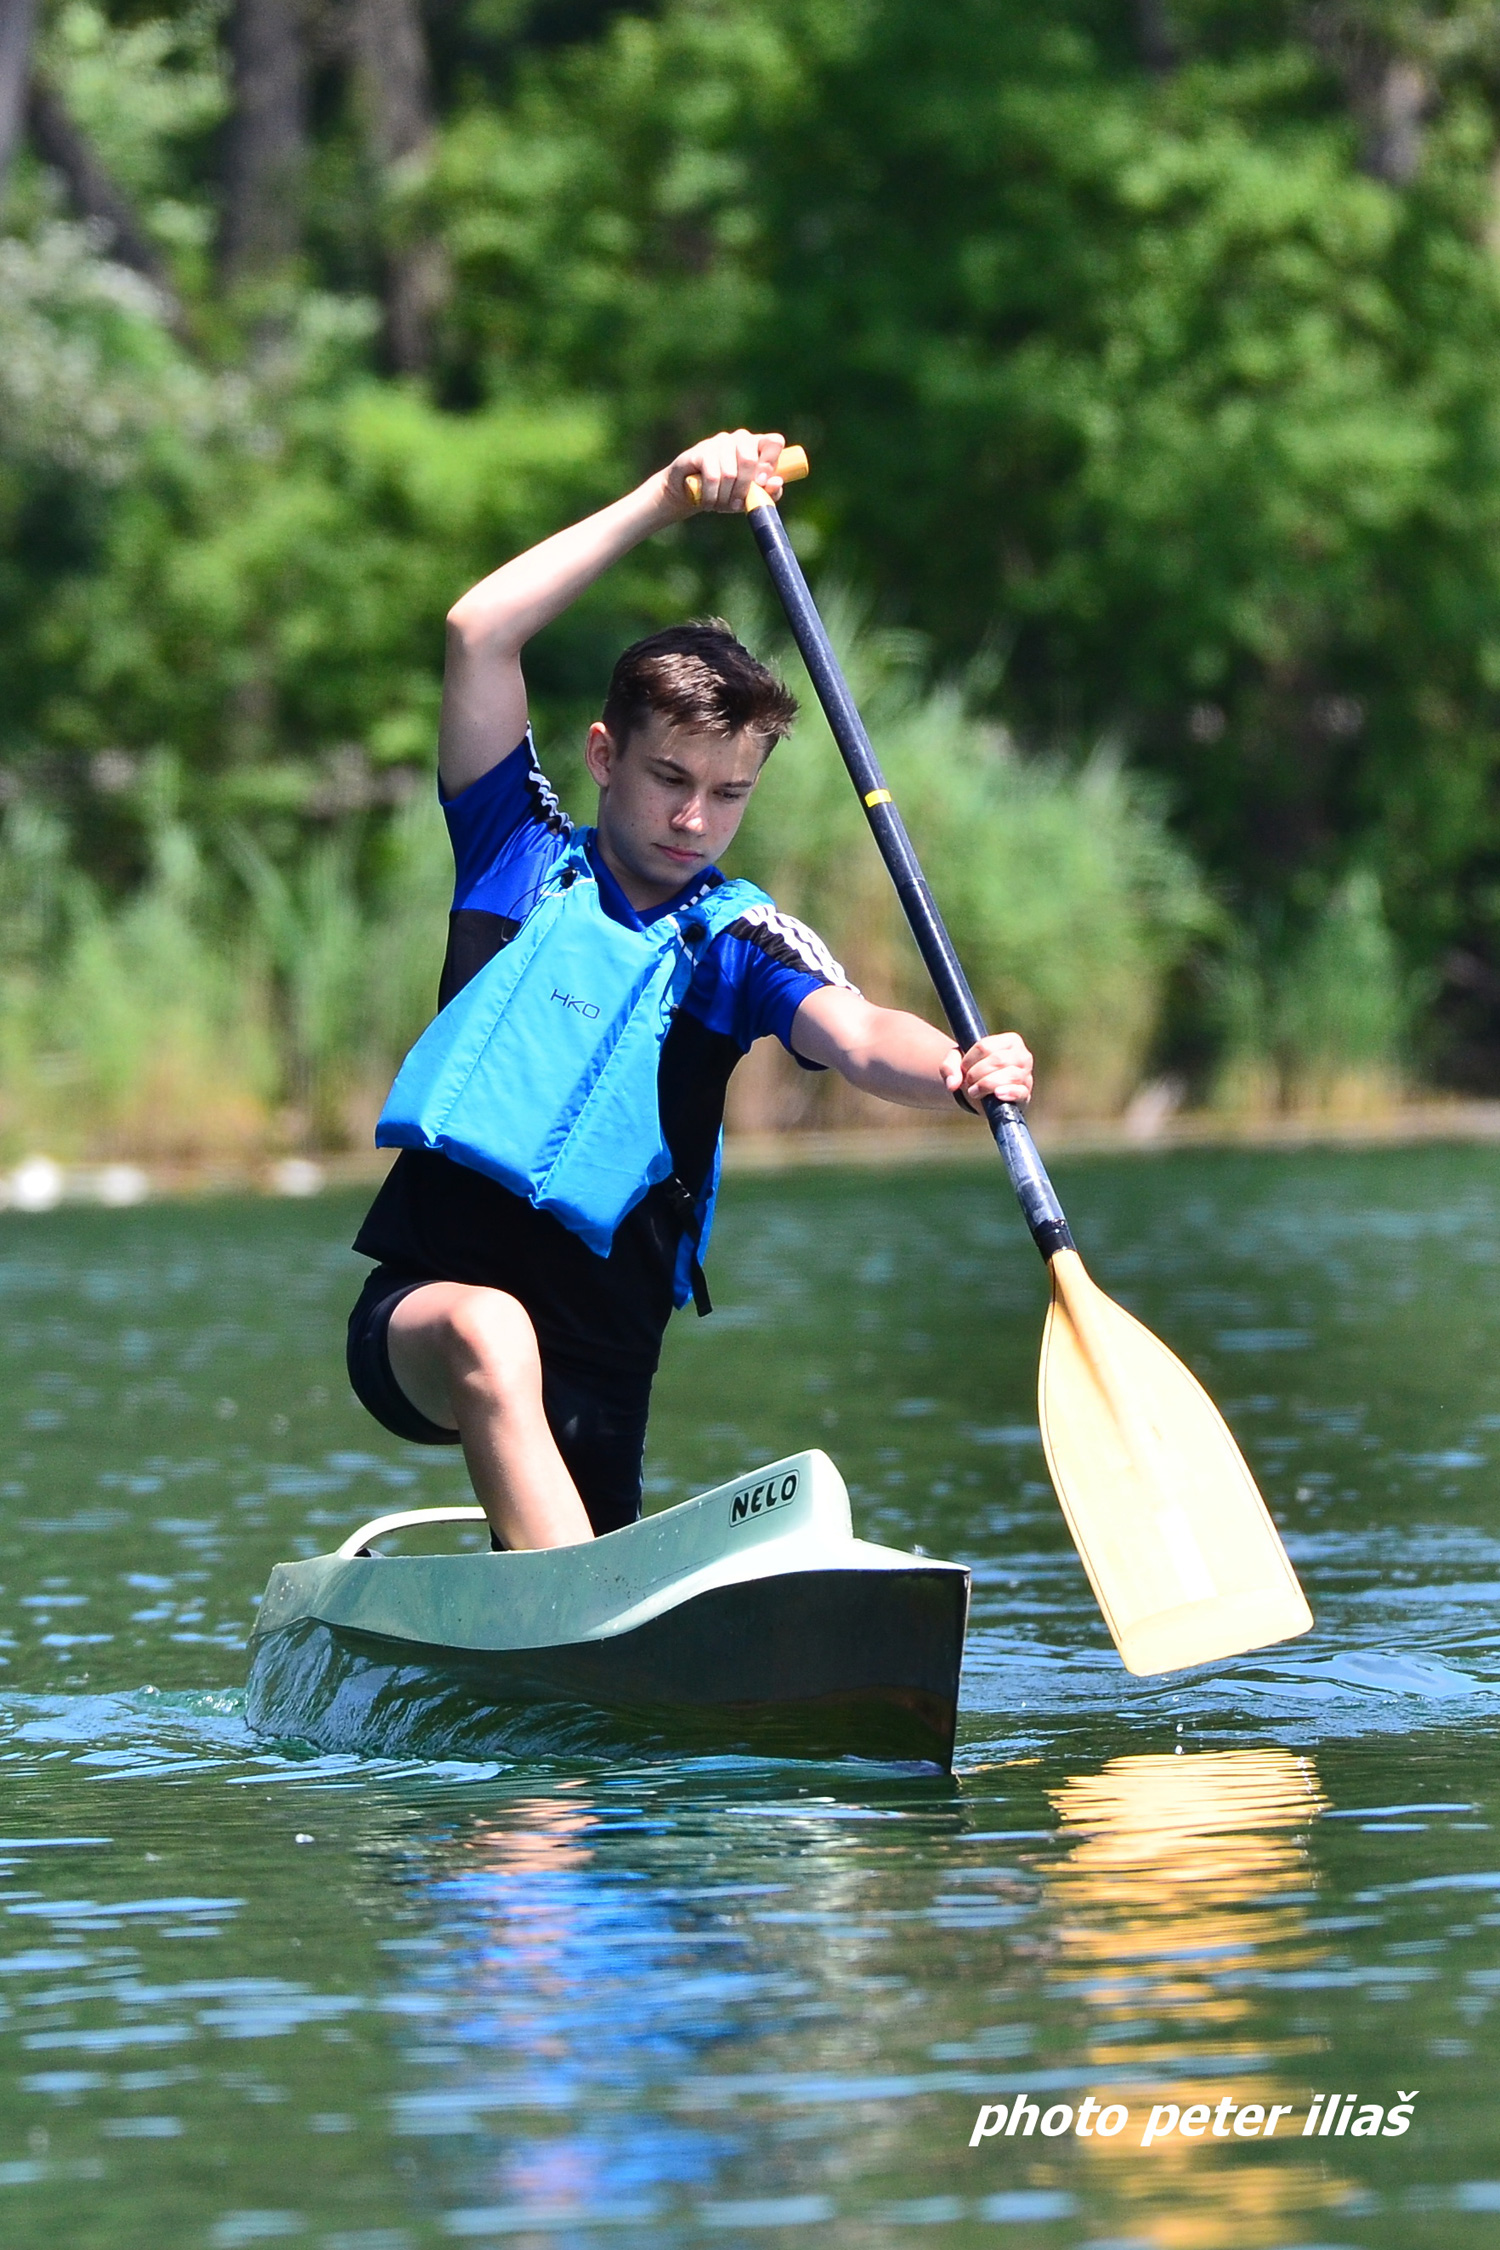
(559, 1121)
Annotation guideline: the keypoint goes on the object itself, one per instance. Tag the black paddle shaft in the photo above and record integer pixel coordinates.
(1043, 1212)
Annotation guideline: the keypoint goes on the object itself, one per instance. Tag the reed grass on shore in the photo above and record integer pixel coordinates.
(205, 1019)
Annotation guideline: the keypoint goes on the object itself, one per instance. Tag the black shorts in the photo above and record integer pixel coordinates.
(598, 1418)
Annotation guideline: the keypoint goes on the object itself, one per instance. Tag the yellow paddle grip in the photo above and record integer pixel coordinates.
(791, 465)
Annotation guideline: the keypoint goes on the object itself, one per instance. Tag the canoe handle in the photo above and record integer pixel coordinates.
(358, 1542)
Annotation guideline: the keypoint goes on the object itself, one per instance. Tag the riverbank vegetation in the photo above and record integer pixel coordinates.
(1149, 356)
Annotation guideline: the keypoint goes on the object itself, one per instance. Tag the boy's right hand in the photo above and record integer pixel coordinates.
(727, 466)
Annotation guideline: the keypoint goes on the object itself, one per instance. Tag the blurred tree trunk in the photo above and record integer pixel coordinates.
(1155, 37)
(60, 143)
(17, 22)
(1390, 95)
(267, 142)
(395, 92)
(1395, 114)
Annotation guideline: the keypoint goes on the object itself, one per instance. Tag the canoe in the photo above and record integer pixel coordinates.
(749, 1619)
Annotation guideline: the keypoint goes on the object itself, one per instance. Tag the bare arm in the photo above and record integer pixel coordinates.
(484, 691)
(887, 1052)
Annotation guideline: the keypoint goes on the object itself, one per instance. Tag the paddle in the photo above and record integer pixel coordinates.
(1183, 1557)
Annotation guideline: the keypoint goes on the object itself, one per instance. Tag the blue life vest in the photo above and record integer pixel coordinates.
(541, 1072)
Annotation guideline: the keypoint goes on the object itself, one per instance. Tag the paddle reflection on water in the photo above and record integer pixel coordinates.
(1186, 1888)
(1181, 1869)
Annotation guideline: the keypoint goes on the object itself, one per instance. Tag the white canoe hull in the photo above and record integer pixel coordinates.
(749, 1618)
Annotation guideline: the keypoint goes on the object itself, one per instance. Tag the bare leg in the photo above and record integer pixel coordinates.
(467, 1358)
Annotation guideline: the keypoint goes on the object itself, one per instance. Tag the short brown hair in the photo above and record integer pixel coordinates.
(698, 676)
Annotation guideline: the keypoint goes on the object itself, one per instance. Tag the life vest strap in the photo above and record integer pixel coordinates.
(685, 1208)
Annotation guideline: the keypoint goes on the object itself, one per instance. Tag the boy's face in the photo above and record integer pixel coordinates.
(670, 801)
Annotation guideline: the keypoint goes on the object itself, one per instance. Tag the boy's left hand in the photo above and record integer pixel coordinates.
(999, 1066)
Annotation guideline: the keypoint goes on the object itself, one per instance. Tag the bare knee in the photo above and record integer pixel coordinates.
(491, 1345)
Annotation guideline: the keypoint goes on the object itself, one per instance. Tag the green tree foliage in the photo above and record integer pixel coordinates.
(1141, 374)
(1148, 351)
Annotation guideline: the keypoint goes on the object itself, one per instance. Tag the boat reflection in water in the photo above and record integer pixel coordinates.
(570, 2002)
(1186, 1885)
(535, 1985)
(595, 2014)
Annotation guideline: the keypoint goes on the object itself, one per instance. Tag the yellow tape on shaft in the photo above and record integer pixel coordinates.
(880, 797)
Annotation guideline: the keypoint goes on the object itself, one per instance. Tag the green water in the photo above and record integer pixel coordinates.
(249, 1996)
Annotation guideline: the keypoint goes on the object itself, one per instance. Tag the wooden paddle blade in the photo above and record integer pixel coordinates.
(1182, 1555)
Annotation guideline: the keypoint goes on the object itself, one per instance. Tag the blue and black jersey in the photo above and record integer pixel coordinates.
(437, 1220)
